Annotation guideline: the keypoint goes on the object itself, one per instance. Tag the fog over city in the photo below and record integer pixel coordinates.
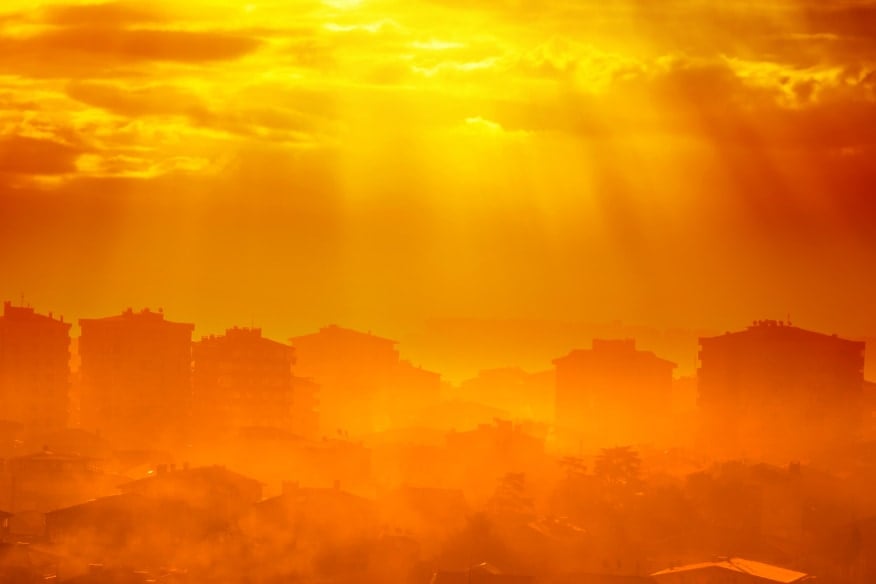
(437, 292)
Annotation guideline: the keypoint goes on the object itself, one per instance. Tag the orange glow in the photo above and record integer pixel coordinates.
(445, 277)
(383, 162)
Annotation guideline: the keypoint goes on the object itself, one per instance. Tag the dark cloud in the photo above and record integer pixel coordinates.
(98, 52)
(168, 45)
(257, 120)
(109, 14)
(151, 100)
(31, 156)
(855, 19)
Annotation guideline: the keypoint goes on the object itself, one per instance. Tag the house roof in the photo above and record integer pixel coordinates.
(336, 331)
(595, 578)
(101, 507)
(483, 572)
(757, 569)
(775, 330)
(189, 476)
(48, 455)
(313, 498)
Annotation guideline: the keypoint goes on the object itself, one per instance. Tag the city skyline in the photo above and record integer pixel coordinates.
(437, 291)
(380, 163)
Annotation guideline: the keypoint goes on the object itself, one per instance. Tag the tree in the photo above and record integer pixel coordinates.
(573, 467)
(510, 499)
(618, 467)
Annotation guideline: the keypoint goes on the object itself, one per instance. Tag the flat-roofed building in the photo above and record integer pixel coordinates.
(34, 368)
(774, 388)
(242, 380)
(612, 393)
(136, 378)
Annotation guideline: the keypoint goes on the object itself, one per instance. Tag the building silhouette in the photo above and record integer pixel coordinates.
(136, 378)
(242, 380)
(351, 368)
(778, 389)
(612, 393)
(524, 395)
(409, 392)
(305, 407)
(46, 480)
(34, 368)
(363, 384)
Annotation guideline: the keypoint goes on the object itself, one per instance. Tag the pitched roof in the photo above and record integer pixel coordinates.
(48, 455)
(742, 566)
(336, 331)
(775, 330)
(190, 475)
(483, 572)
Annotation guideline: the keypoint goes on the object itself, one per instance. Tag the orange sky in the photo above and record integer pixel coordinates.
(375, 162)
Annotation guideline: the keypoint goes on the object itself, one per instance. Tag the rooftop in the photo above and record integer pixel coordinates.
(619, 348)
(336, 331)
(774, 329)
(143, 316)
(21, 313)
(761, 570)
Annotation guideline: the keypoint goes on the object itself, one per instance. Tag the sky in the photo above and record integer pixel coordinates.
(376, 163)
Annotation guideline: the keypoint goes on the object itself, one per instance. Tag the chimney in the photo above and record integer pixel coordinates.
(337, 484)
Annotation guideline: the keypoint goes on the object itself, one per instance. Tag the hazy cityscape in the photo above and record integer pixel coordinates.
(437, 291)
(136, 453)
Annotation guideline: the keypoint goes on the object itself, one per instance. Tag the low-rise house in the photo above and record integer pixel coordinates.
(427, 513)
(729, 571)
(479, 574)
(312, 514)
(311, 532)
(223, 493)
(47, 480)
(20, 564)
(595, 578)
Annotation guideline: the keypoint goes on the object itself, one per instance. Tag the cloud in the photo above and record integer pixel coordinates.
(96, 40)
(145, 44)
(31, 156)
(261, 121)
(104, 15)
(150, 100)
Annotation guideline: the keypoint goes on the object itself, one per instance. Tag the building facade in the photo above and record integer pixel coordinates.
(610, 394)
(774, 388)
(242, 380)
(136, 378)
(363, 384)
(34, 369)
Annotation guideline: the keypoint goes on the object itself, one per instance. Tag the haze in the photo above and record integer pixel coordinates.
(379, 163)
(437, 291)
